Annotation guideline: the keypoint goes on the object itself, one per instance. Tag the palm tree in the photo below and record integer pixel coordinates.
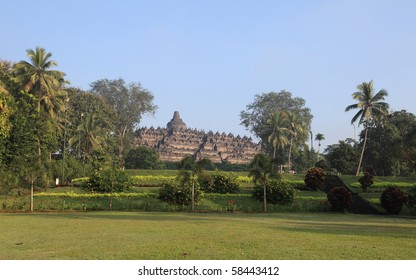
(371, 107)
(296, 129)
(261, 169)
(189, 169)
(46, 85)
(319, 137)
(89, 136)
(36, 77)
(279, 132)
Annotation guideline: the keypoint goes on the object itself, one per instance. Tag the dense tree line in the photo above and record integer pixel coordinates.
(50, 130)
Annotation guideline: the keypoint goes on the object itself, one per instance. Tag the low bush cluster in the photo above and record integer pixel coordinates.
(411, 197)
(219, 183)
(107, 180)
(179, 194)
(277, 192)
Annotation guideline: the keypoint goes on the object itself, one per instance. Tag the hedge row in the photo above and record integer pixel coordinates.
(383, 185)
(96, 195)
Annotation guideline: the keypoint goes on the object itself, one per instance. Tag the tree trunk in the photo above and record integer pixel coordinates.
(290, 154)
(31, 195)
(264, 198)
(193, 195)
(362, 152)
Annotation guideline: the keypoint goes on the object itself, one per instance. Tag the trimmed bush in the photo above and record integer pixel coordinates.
(219, 183)
(178, 194)
(392, 199)
(339, 198)
(315, 179)
(277, 192)
(107, 180)
(366, 181)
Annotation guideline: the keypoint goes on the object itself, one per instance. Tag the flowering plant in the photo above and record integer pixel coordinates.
(231, 207)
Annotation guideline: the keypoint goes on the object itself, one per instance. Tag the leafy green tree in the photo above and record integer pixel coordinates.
(189, 169)
(371, 107)
(261, 168)
(142, 158)
(319, 137)
(389, 147)
(255, 117)
(343, 156)
(129, 102)
(81, 105)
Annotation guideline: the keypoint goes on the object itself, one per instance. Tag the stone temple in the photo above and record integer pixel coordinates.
(177, 141)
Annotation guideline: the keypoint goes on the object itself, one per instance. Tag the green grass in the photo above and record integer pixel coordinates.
(139, 235)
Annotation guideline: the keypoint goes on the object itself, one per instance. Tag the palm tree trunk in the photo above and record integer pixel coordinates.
(264, 198)
(290, 154)
(193, 194)
(362, 152)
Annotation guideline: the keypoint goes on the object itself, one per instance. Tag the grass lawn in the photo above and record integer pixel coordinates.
(182, 235)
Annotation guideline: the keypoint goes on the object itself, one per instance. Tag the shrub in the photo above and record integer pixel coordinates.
(366, 181)
(277, 192)
(107, 180)
(219, 183)
(392, 199)
(411, 197)
(315, 179)
(339, 198)
(177, 194)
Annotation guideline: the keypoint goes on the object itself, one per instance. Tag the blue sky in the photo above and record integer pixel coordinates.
(208, 59)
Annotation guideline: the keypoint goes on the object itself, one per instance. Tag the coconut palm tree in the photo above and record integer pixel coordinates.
(319, 137)
(371, 108)
(296, 129)
(89, 136)
(37, 78)
(278, 131)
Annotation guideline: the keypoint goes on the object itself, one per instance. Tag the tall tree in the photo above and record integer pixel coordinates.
(296, 128)
(89, 136)
(129, 102)
(5, 110)
(278, 135)
(36, 77)
(189, 169)
(255, 117)
(261, 169)
(371, 107)
(319, 137)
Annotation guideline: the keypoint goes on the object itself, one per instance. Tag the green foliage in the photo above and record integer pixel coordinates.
(277, 192)
(107, 180)
(179, 194)
(219, 183)
(366, 181)
(339, 198)
(411, 197)
(8, 181)
(393, 199)
(315, 179)
(142, 158)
